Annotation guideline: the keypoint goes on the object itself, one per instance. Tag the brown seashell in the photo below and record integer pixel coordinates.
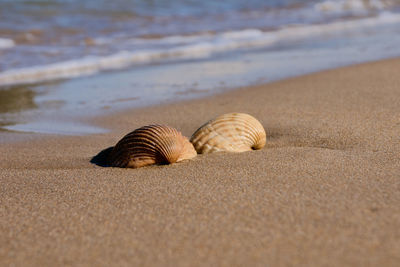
(232, 132)
(153, 144)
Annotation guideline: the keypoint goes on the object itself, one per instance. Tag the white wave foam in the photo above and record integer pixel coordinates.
(194, 47)
(6, 43)
(354, 6)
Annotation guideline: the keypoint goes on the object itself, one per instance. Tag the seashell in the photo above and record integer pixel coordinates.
(232, 132)
(152, 144)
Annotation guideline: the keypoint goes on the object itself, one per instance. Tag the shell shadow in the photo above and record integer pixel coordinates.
(101, 158)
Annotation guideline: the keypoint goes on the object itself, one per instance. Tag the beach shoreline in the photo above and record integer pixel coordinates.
(324, 190)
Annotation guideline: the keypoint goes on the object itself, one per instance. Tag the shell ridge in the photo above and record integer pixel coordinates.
(235, 132)
(203, 134)
(121, 147)
(199, 135)
(250, 132)
(118, 161)
(151, 144)
(228, 135)
(165, 144)
(218, 137)
(159, 131)
(170, 149)
(254, 129)
(142, 142)
(115, 156)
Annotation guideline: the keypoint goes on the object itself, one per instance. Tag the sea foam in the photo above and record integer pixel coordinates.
(6, 43)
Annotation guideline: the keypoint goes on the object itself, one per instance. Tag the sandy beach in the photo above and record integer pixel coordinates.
(325, 191)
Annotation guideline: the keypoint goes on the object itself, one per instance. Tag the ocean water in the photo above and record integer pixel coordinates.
(60, 59)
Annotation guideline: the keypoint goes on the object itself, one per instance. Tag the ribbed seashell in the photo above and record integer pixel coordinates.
(232, 132)
(153, 144)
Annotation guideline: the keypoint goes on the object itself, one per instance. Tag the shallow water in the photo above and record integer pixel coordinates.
(150, 52)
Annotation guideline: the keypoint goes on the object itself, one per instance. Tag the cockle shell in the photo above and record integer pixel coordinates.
(152, 144)
(232, 132)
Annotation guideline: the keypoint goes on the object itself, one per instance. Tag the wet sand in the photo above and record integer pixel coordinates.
(325, 191)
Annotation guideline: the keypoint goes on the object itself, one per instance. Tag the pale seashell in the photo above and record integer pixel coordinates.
(232, 132)
(153, 144)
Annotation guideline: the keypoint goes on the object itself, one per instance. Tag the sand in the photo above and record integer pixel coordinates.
(325, 191)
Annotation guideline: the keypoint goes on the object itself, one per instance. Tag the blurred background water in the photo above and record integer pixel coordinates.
(60, 59)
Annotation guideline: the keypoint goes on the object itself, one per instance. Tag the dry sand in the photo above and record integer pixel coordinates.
(324, 192)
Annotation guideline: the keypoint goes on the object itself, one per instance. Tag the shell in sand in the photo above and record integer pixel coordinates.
(153, 144)
(232, 132)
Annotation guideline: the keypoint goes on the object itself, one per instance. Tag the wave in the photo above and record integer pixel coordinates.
(188, 47)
